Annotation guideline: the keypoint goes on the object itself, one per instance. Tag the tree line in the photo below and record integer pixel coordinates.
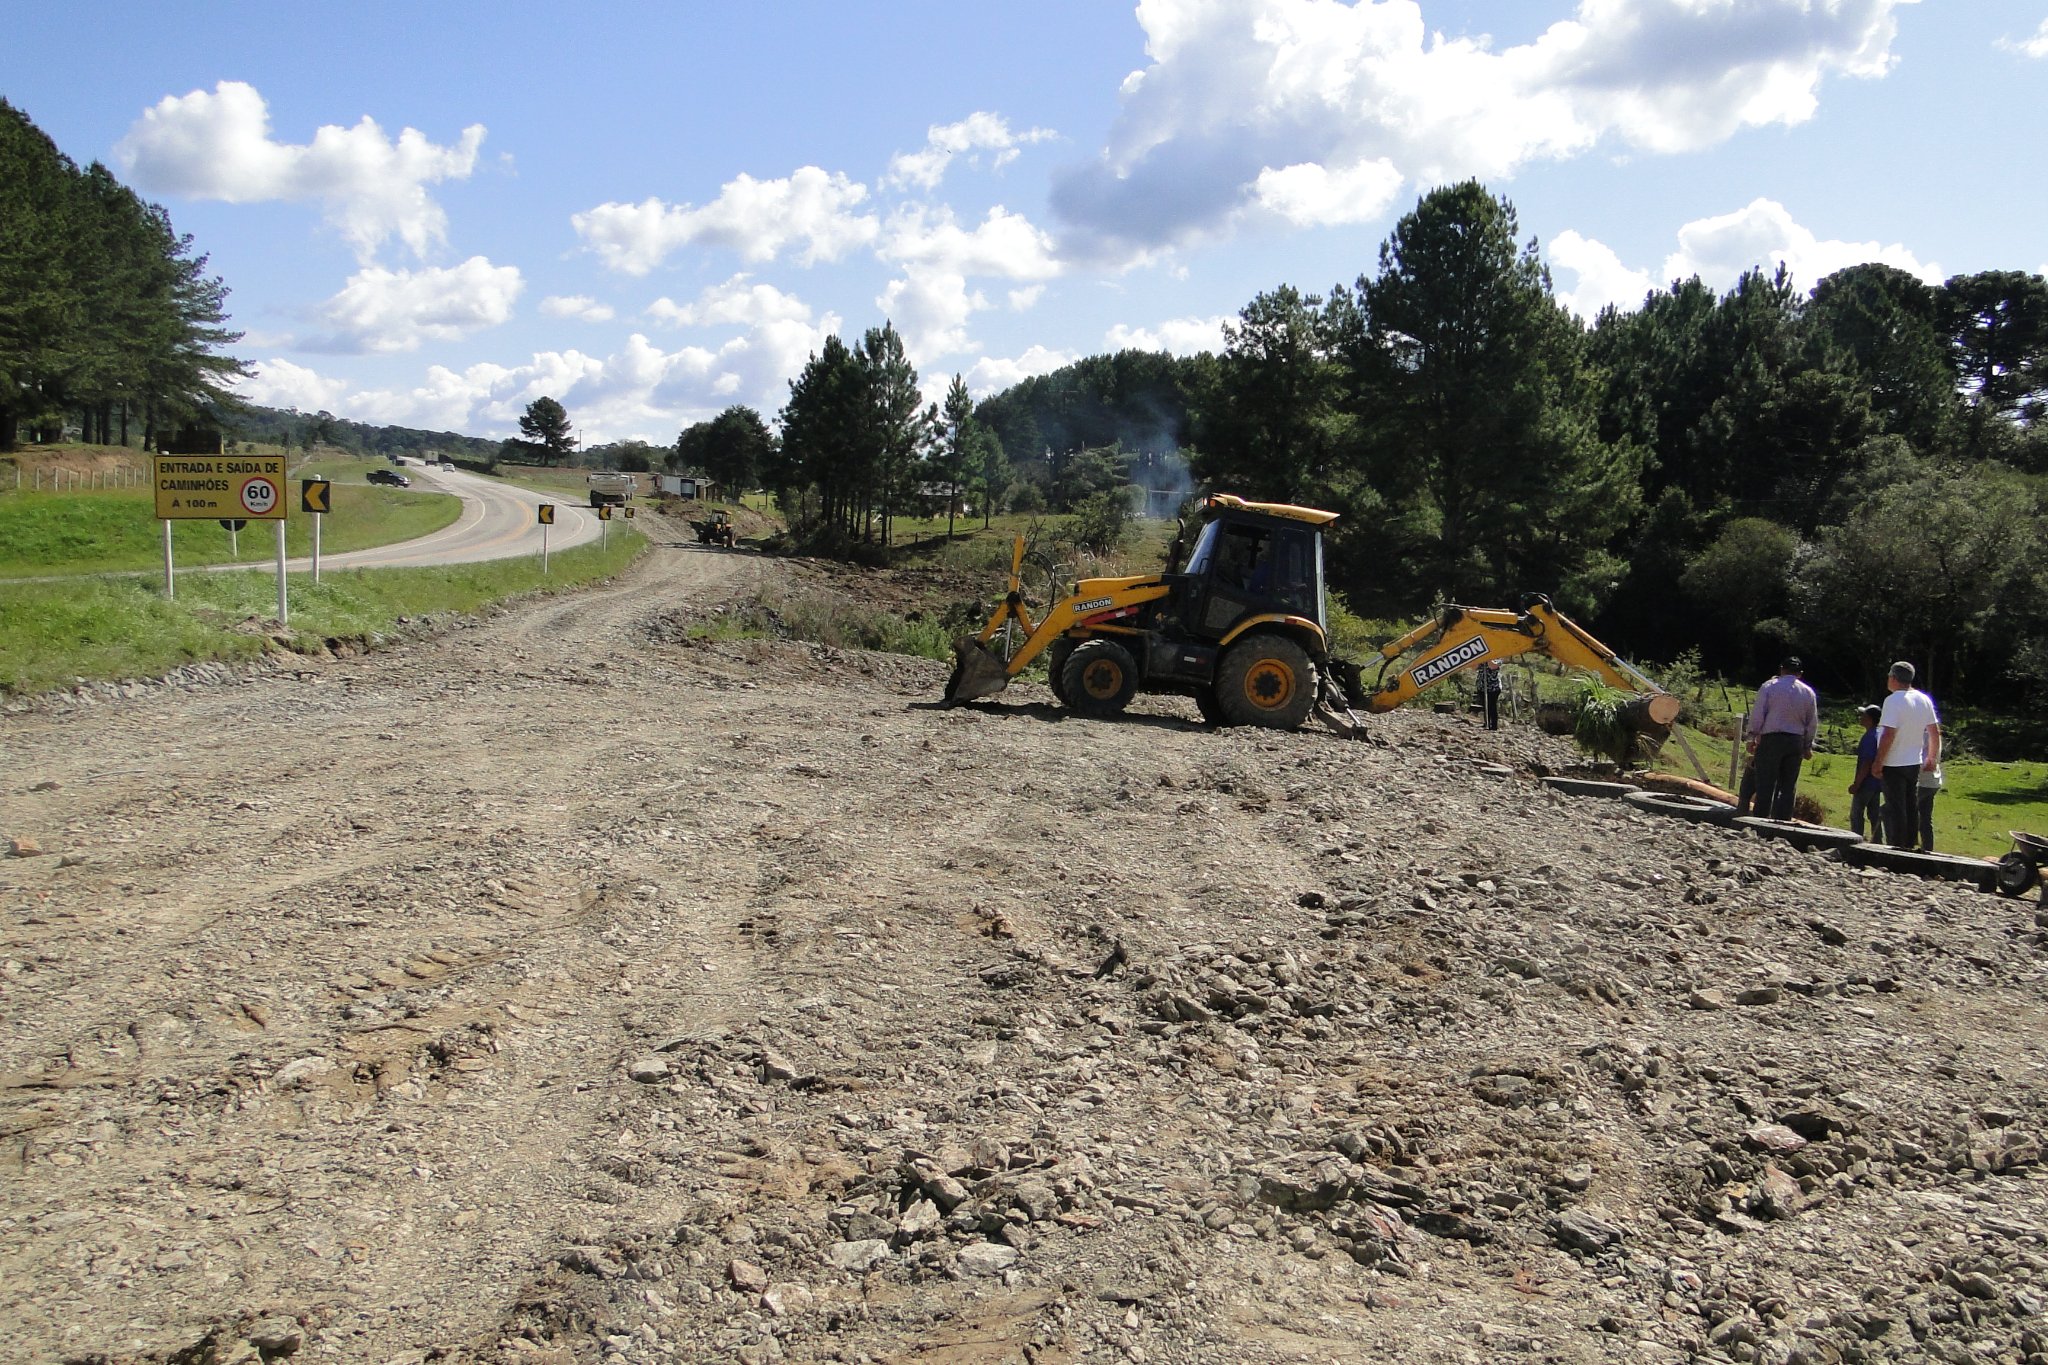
(1854, 473)
(290, 429)
(108, 319)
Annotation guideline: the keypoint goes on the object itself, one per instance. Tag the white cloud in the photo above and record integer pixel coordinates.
(639, 390)
(2036, 46)
(1027, 297)
(759, 219)
(579, 306)
(978, 132)
(1601, 277)
(930, 307)
(1719, 250)
(993, 374)
(395, 310)
(278, 383)
(217, 145)
(736, 302)
(1309, 195)
(1181, 336)
(1003, 244)
(1763, 233)
(1243, 99)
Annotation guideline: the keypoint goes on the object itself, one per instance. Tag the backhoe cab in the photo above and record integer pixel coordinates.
(1240, 627)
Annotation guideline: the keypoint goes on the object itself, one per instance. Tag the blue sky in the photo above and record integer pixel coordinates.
(430, 214)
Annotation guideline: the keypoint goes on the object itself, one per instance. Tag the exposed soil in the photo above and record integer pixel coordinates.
(559, 989)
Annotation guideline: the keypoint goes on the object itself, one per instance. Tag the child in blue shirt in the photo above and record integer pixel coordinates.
(1866, 789)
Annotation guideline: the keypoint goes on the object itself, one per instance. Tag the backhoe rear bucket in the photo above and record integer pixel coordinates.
(977, 672)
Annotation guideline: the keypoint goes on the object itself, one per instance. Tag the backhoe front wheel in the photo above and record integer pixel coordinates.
(1056, 656)
(1266, 680)
(1099, 677)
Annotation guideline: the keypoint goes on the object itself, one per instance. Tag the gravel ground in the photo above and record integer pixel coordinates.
(557, 989)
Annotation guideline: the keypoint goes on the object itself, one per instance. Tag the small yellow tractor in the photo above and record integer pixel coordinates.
(716, 529)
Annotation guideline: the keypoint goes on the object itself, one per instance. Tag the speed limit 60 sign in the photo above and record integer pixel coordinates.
(232, 486)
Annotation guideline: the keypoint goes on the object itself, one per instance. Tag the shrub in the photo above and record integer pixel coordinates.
(1602, 724)
(1100, 521)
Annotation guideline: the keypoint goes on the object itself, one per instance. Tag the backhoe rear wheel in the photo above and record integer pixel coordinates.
(1266, 680)
(1099, 677)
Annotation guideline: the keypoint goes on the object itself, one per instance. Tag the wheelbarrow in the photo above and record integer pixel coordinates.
(2021, 870)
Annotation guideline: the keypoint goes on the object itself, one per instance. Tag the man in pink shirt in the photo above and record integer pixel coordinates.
(1782, 727)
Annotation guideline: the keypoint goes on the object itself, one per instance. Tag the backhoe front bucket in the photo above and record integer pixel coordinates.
(977, 672)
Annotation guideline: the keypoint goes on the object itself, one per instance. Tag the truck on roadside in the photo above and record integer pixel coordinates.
(611, 490)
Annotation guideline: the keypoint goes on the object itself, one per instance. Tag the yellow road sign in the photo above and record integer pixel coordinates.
(314, 495)
(207, 486)
(547, 514)
(629, 514)
(604, 512)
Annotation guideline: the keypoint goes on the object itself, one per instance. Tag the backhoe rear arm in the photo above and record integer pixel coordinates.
(1464, 636)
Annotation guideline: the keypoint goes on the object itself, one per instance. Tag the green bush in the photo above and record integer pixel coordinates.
(1101, 519)
(828, 619)
(1601, 723)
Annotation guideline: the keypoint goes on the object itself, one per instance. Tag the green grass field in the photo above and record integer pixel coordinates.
(55, 634)
(116, 530)
(1980, 803)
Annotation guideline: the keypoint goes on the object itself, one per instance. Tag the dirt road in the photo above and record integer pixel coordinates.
(561, 990)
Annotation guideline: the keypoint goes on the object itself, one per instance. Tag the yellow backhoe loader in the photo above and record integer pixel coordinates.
(1241, 628)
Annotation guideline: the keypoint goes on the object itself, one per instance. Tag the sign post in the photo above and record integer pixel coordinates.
(604, 530)
(547, 519)
(170, 574)
(314, 495)
(210, 485)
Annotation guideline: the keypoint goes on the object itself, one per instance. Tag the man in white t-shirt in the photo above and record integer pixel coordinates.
(1908, 743)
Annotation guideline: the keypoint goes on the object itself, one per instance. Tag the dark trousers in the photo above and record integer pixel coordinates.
(1927, 795)
(1492, 700)
(1778, 756)
(1901, 804)
(1869, 804)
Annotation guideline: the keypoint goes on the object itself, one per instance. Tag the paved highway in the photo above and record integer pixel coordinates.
(498, 521)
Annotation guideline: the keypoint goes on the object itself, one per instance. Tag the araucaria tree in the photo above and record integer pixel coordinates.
(545, 423)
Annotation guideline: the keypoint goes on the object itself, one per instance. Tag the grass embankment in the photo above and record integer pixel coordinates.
(116, 530)
(55, 634)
